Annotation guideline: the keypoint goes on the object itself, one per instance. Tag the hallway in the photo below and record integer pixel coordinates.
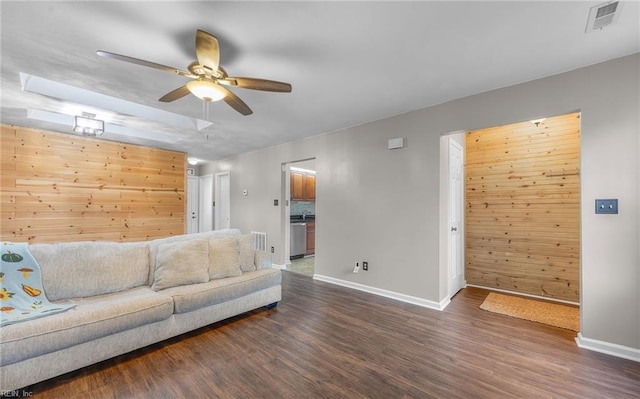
(303, 266)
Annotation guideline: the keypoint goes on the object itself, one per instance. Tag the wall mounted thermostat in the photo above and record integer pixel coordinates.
(607, 206)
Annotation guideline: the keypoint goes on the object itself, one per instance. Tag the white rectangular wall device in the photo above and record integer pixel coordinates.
(396, 143)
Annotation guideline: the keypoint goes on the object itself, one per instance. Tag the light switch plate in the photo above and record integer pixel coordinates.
(607, 206)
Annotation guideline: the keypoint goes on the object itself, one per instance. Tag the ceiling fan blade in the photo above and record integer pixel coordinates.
(207, 50)
(175, 94)
(236, 103)
(149, 64)
(258, 84)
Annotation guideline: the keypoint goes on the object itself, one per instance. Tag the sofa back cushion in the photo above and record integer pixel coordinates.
(181, 263)
(246, 253)
(224, 259)
(155, 244)
(87, 268)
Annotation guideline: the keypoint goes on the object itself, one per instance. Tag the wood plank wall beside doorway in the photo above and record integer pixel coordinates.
(62, 187)
(522, 217)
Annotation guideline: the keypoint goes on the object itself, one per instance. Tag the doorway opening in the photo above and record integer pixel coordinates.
(205, 203)
(192, 218)
(299, 219)
(452, 198)
(199, 217)
(222, 218)
(521, 218)
(522, 215)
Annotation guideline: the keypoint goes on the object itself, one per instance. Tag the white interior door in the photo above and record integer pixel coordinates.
(223, 201)
(205, 201)
(456, 209)
(192, 205)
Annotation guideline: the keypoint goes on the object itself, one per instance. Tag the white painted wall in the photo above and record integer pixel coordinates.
(384, 206)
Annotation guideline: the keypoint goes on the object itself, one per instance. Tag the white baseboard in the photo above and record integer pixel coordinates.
(281, 267)
(388, 294)
(608, 348)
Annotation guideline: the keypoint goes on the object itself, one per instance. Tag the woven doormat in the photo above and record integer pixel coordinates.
(553, 314)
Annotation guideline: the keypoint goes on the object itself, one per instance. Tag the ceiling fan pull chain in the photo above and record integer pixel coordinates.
(205, 114)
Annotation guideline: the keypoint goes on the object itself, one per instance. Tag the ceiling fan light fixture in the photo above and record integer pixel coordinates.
(206, 90)
(88, 126)
(538, 122)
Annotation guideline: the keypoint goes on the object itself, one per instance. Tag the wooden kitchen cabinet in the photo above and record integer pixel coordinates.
(303, 186)
(297, 186)
(311, 237)
(309, 187)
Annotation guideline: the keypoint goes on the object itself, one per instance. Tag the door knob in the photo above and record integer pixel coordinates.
(454, 229)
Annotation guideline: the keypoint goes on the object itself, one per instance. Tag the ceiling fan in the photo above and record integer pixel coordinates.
(209, 78)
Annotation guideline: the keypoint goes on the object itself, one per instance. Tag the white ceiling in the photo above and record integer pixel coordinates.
(348, 62)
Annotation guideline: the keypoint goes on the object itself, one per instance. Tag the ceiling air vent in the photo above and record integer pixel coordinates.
(603, 15)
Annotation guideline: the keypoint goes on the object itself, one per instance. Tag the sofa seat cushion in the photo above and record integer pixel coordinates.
(191, 297)
(92, 318)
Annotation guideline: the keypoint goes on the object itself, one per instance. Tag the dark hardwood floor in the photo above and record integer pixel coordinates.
(325, 341)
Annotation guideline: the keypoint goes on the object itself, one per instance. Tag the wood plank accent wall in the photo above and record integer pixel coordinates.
(522, 217)
(59, 187)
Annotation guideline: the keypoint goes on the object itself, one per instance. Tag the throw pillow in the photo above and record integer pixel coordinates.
(181, 263)
(245, 246)
(262, 260)
(223, 257)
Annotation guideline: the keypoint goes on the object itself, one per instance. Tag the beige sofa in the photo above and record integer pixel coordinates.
(130, 295)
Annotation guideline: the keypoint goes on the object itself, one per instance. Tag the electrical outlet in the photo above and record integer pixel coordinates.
(365, 266)
(356, 268)
(273, 249)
